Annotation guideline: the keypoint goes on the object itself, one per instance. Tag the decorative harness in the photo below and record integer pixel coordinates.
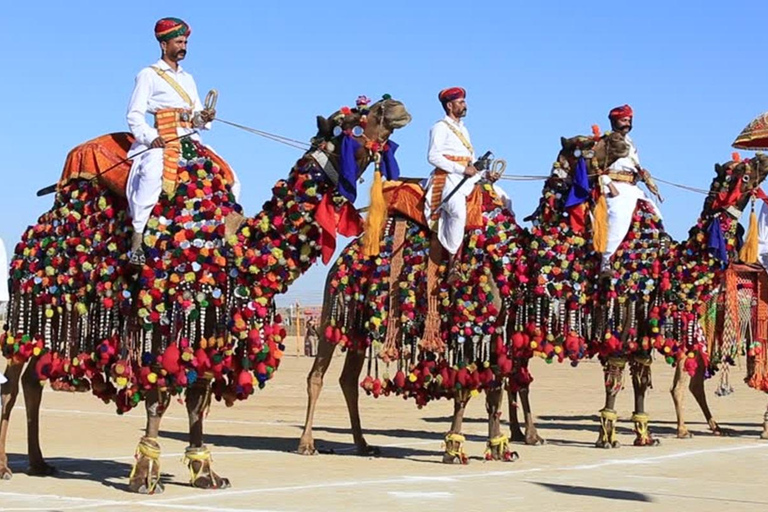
(167, 121)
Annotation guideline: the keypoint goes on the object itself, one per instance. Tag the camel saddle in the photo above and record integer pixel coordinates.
(105, 159)
(406, 197)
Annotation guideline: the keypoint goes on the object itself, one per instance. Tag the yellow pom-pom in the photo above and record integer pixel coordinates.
(152, 378)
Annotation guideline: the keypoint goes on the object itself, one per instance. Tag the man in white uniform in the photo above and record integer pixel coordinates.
(169, 93)
(762, 235)
(624, 175)
(452, 156)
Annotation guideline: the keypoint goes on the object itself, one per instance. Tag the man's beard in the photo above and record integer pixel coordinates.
(462, 113)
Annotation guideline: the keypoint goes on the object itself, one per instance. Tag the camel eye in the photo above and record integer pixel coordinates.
(745, 178)
(337, 131)
(357, 131)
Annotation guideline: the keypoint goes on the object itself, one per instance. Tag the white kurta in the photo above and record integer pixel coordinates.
(444, 143)
(622, 206)
(150, 94)
(762, 235)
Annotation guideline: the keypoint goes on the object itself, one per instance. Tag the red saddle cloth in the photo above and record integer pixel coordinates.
(407, 198)
(104, 159)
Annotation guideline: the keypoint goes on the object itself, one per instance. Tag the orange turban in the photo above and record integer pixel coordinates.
(620, 112)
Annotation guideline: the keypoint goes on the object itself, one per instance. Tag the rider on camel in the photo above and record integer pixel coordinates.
(169, 93)
(452, 156)
(621, 182)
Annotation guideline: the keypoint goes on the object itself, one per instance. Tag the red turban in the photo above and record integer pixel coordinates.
(620, 112)
(450, 94)
(168, 28)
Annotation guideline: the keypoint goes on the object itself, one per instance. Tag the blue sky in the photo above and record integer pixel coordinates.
(695, 73)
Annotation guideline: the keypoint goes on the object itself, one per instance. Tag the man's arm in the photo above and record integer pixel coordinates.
(137, 109)
(437, 137)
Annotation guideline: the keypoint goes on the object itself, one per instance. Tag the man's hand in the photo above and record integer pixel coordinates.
(494, 176)
(208, 115)
(470, 171)
(157, 143)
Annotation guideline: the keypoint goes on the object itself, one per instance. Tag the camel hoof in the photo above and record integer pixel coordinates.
(143, 489)
(306, 449)
(369, 451)
(684, 434)
(647, 442)
(217, 482)
(455, 459)
(717, 430)
(764, 435)
(41, 469)
(6, 475)
(607, 446)
(535, 441)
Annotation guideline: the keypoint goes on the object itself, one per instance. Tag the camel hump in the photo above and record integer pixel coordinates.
(105, 157)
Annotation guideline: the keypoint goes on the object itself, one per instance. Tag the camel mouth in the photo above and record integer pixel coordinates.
(396, 116)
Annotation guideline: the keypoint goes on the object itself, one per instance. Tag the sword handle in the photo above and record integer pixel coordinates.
(210, 99)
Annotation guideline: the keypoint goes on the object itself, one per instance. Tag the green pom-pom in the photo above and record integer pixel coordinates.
(386, 97)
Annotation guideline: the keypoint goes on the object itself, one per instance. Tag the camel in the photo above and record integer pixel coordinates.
(735, 323)
(650, 300)
(198, 317)
(374, 308)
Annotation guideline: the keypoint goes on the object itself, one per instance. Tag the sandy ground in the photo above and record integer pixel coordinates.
(254, 442)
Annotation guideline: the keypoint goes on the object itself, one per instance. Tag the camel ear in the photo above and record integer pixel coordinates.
(324, 128)
(563, 142)
(719, 169)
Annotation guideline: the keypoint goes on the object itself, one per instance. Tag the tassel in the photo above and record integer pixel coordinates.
(748, 252)
(600, 225)
(377, 213)
(736, 157)
(596, 132)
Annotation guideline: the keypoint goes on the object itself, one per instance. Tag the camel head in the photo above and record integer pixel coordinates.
(369, 126)
(600, 152)
(734, 184)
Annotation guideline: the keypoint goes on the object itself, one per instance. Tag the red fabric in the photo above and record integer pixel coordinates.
(451, 93)
(577, 217)
(346, 221)
(622, 111)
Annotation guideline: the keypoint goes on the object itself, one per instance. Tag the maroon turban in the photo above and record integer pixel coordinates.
(168, 28)
(450, 94)
(620, 112)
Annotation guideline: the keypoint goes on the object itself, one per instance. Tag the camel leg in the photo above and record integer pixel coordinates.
(532, 436)
(697, 390)
(8, 393)
(613, 370)
(764, 434)
(350, 376)
(145, 475)
(515, 431)
(641, 381)
(679, 382)
(33, 396)
(314, 386)
(498, 444)
(454, 439)
(197, 456)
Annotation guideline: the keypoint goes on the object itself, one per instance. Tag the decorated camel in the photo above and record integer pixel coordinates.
(421, 337)
(735, 323)
(198, 317)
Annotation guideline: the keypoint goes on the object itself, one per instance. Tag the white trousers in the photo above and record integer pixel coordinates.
(145, 183)
(453, 218)
(620, 210)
